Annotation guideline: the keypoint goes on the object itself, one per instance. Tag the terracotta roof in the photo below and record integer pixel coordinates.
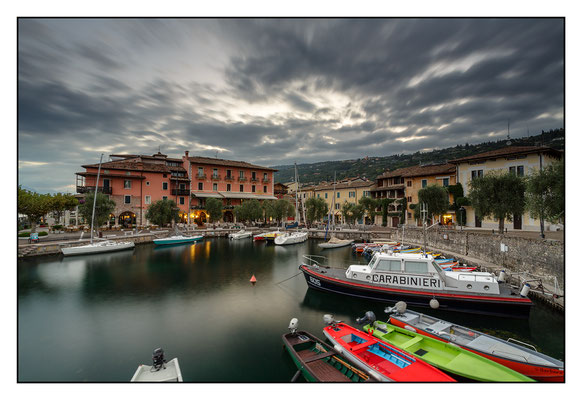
(131, 165)
(344, 185)
(228, 163)
(508, 151)
(420, 170)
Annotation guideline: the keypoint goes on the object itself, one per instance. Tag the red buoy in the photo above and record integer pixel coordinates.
(253, 280)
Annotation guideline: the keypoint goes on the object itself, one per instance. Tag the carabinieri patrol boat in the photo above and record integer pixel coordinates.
(419, 280)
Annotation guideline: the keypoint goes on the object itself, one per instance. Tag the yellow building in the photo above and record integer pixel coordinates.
(349, 190)
(405, 183)
(521, 160)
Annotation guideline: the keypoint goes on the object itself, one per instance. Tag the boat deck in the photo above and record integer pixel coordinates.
(323, 370)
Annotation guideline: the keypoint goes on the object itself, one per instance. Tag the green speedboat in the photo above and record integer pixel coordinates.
(445, 356)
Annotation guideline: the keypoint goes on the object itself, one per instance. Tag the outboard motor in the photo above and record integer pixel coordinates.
(368, 318)
(328, 320)
(158, 359)
(293, 324)
(399, 308)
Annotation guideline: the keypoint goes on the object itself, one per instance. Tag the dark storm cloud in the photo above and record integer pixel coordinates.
(339, 88)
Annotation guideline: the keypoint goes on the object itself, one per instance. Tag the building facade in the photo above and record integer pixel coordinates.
(135, 182)
(520, 160)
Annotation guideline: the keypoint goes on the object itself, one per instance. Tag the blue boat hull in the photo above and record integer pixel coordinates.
(162, 242)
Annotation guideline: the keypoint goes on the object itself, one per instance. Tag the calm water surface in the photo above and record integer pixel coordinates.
(96, 318)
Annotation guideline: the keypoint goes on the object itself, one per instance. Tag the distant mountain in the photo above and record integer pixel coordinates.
(371, 167)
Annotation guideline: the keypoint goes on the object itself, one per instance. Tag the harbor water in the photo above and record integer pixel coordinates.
(95, 318)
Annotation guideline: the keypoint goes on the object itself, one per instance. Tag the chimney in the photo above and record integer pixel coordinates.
(186, 153)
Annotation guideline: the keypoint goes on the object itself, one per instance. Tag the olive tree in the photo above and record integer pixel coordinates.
(214, 209)
(316, 209)
(163, 212)
(546, 193)
(436, 199)
(33, 205)
(103, 207)
(499, 195)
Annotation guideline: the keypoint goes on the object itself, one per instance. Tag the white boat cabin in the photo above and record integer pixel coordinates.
(422, 272)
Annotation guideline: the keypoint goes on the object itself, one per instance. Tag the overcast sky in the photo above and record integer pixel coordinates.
(272, 91)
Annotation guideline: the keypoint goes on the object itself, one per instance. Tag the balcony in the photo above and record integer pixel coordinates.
(229, 178)
(242, 179)
(254, 179)
(88, 189)
(201, 176)
(266, 180)
(180, 192)
(215, 177)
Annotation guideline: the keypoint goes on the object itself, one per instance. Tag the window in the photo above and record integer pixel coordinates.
(127, 199)
(445, 182)
(326, 195)
(388, 265)
(408, 183)
(366, 193)
(264, 176)
(127, 184)
(264, 189)
(200, 186)
(215, 186)
(164, 185)
(351, 194)
(242, 188)
(477, 174)
(165, 175)
(229, 173)
(409, 199)
(253, 175)
(241, 174)
(181, 200)
(182, 186)
(253, 188)
(416, 267)
(228, 187)
(512, 170)
(147, 183)
(337, 206)
(164, 197)
(338, 195)
(215, 172)
(318, 195)
(200, 171)
(520, 170)
(424, 183)
(148, 199)
(409, 215)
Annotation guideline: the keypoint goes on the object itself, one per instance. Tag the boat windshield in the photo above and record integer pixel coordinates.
(373, 261)
(437, 267)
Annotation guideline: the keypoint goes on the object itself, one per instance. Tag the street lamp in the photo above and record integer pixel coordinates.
(461, 213)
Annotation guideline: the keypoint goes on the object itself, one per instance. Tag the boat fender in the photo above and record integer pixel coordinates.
(434, 304)
(409, 328)
(501, 277)
(338, 348)
(524, 290)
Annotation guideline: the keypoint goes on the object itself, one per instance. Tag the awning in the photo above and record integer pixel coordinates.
(206, 195)
(235, 195)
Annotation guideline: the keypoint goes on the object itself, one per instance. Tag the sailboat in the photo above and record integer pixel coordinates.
(100, 247)
(293, 237)
(177, 238)
(333, 242)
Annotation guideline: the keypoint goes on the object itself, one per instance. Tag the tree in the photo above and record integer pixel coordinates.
(369, 205)
(352, 212)
(33, 205)
(499, 195)
(103, 208)
(249, 210)
(61, 203)
(316, 209)
(545, 194)
(269, 209)
(163, 212)
(385, 202)
(282, 209)
(214, 209)
(436, 199)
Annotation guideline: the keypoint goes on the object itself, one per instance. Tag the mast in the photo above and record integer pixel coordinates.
(296, 195)
(333, 202)
(95, 196)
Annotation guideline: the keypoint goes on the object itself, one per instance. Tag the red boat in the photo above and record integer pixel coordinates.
(379, 359)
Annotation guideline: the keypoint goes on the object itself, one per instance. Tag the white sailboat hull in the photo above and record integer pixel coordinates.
(291, 238)
(100, 247)
(171, 373)
(240, 235)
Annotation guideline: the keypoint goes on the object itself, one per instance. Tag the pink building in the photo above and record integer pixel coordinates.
(136, 181)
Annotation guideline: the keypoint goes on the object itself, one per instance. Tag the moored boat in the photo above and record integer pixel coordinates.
(381, 360)
(242, 234)
(290, 238)
(177, 239)
(416, 279)
(334, 242)
(270, 236)
(445, 356)
(98, 247)
(319, 362)
(511, 353)
(160, 371)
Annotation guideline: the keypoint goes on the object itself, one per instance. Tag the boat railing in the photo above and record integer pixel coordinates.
(531, 346)
(507, 354)
(316, 260)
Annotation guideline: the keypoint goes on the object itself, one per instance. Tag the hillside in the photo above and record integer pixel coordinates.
(370, 167)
